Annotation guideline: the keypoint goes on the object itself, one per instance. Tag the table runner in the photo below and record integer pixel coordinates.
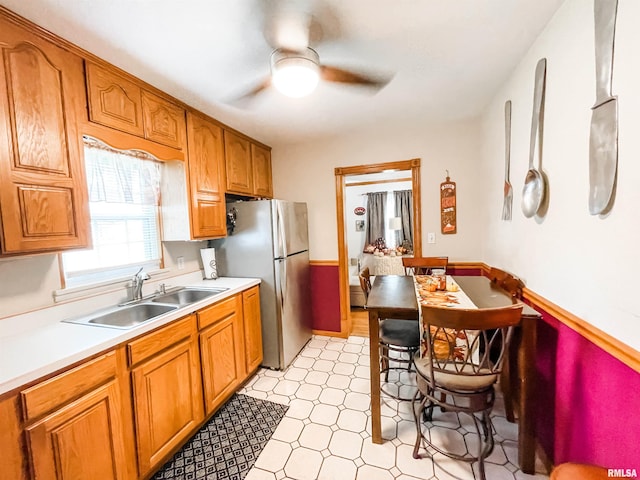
(453, 297)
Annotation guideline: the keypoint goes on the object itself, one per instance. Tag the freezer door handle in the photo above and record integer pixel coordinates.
(281, 282)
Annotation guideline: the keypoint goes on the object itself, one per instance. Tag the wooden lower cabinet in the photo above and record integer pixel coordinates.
(221, 351)
(80, 423)
(167, 392)
(252, 328)
(81, 440)
(80, 437)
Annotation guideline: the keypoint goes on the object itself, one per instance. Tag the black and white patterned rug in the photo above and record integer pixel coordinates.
(228, 445)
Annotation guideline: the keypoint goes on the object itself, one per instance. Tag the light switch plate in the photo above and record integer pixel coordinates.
(431, 237)
(180, 263)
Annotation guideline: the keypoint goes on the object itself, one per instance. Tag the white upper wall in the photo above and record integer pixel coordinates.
(305, 172)
(586, 264)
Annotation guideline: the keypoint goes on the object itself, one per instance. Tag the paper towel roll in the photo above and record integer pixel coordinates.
(209, 263)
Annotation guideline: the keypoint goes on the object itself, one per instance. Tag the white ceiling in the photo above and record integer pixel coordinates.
(447, 57)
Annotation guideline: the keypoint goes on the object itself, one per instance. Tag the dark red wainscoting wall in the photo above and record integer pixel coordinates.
(587, 401)
(325, 297)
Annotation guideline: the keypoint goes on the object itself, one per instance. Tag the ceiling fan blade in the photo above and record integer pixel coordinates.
(339, 75)
(246, 97)
(287, 24)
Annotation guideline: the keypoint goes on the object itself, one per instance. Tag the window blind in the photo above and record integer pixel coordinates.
(124, 197)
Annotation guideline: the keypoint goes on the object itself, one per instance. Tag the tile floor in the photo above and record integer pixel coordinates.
(325, 434)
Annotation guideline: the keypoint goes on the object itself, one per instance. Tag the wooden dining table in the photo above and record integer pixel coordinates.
(394, 296)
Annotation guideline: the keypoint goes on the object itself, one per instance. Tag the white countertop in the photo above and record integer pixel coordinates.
(39, 343)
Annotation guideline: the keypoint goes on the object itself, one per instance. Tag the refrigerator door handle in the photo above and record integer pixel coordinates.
(281, 243)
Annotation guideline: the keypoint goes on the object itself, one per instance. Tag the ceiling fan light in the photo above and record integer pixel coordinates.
(295, 74)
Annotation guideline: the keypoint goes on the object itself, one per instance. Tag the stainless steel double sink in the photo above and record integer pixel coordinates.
(131, 315)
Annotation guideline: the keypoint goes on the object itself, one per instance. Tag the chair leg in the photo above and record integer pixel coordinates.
(417, 413)
(443, 399)
(484, 429)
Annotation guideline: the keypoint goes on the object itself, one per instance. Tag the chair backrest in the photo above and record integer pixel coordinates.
(507, 281)
(423, 265)
(365, 283)
(467, 342)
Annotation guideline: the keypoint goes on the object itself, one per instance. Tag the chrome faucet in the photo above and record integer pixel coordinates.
(136, 284)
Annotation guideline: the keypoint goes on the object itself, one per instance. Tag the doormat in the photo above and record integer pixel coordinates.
(228, 445)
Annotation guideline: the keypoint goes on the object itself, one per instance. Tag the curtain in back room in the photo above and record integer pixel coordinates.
(404, 210)
(376, 215)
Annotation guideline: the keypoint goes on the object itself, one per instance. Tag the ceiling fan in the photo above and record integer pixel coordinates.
(296, 69)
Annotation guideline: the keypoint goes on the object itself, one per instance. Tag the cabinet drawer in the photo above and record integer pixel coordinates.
(219, 311)
(157, 341)
(62, 388)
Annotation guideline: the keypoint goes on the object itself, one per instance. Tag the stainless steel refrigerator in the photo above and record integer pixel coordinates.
(270, 241)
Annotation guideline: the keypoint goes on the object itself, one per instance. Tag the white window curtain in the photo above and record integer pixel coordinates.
(124, 193)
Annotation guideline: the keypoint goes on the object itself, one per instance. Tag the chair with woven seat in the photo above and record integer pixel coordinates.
(456, 371)
(401, 337)
(423, 265)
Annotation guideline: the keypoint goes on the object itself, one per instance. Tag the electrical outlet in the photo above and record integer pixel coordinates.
(180, 263)
(431, 237)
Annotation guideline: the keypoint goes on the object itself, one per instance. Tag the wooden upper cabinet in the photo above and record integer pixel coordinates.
(120, 103)
(261, 159)
(114, 101)
(238, 161)
(43, 189)
(206, 178)
(248, 167)
(164, 122)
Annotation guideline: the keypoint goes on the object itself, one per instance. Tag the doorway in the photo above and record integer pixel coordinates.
(412, 170)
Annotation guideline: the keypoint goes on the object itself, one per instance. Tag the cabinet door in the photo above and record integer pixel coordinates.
(114, 101)
(167, 402)
(252, 328)
(238, 160)
(206, 178)
(222, 360)
(164, 122)
(43, 189)
(82, 440)
(262, 185)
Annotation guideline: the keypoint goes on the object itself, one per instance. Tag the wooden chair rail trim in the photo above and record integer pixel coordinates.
(626, 354)
(324, 263)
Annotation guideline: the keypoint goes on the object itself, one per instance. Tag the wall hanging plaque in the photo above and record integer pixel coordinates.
(359, 210)
(448, 206)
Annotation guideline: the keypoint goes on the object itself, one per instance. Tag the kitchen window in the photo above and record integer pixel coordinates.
(124, 197)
